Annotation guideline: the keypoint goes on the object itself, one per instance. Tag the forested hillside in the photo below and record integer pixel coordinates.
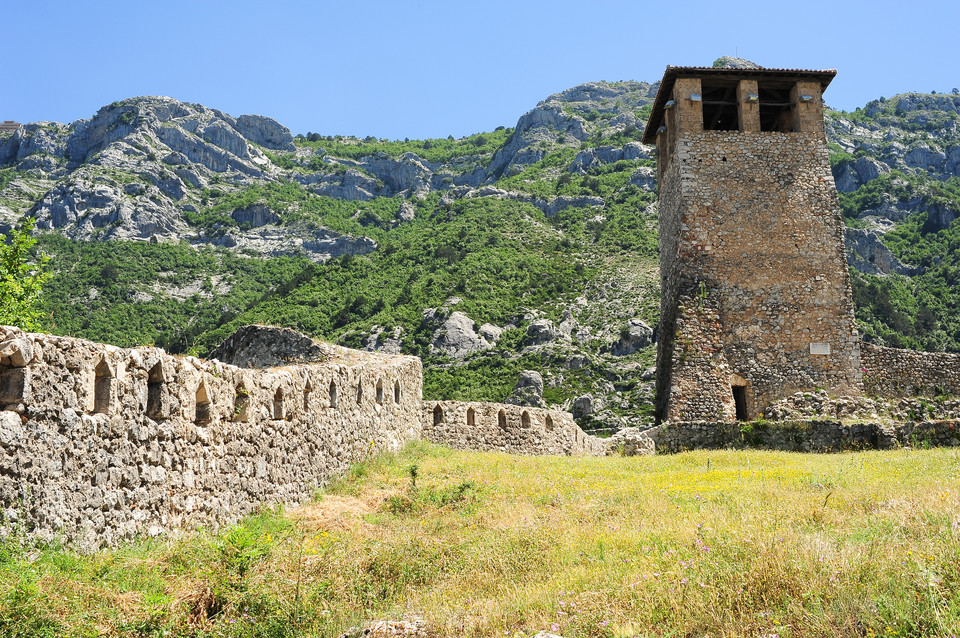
(531, 247)
(897, 166)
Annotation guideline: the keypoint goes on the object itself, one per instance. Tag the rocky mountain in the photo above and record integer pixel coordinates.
(523, 253)
(896, 163)
(146, 169)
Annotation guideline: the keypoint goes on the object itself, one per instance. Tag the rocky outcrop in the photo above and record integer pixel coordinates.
(541, 331)
(255, 215)
(731, 62)
(600, 155)
(867, 253)
(269, 347)
(635, 336)
(266, 132)
(134, 170)
(583, 407)
(380, 340)
(544, 123)
(405, 173)
(84, 208)
(568, 118)
(318, 245)
(550, 207)
(453, 332)
(351, 185)
(529, 390)
(850, 176)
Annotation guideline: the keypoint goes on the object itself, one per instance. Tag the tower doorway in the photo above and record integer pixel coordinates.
(740, 401)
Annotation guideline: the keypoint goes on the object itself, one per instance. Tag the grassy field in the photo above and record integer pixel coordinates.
(697, 544)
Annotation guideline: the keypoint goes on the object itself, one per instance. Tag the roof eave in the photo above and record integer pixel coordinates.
(671, 74)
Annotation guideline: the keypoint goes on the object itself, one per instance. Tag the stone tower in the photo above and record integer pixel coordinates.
(755, 293)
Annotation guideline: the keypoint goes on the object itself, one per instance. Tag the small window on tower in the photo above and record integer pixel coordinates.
(720, 112)
(776, 109)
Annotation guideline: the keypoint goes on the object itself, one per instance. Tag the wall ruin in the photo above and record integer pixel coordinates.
(98, 443)
(814, 435)
(893, 373)
(506, 428)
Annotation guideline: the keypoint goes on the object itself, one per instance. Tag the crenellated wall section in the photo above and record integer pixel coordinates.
(506, 428)
(99, 443)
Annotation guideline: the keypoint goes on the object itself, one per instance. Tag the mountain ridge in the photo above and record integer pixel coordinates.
(532, 247)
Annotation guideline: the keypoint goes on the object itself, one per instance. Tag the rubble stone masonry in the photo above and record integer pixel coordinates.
(893, 373)
(506, 428)
(751, 231)
(99, 443)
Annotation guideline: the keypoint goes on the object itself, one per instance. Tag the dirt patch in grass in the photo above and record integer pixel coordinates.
(335, 513)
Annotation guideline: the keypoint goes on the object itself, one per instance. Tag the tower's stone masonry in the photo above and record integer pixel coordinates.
(755, 293)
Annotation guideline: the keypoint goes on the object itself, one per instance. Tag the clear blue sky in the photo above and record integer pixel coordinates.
(400, 69)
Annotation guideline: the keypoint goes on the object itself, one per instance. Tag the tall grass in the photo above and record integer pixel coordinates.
(704, 543)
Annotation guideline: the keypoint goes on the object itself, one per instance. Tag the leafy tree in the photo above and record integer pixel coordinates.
(20, 281)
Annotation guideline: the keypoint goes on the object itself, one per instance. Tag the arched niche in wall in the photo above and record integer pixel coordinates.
(380, 391)
(359, 391)
(471, 417)
(278, 404)
(396, 391)
(12, 384)
(502, 418)
(333, 394)
(548, 422)
(525, 419)
(437, 415)
(102, 388)
(202, 405)
(155, 380)
(241, 403)
(307, 391)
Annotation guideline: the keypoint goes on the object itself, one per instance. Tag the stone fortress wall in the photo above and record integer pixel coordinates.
(99, 443)
(894, 373)
(806, 435)
(506, 428)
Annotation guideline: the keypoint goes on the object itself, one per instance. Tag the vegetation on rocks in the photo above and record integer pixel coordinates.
(550, 220)
(440, 150)
(897, 166)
